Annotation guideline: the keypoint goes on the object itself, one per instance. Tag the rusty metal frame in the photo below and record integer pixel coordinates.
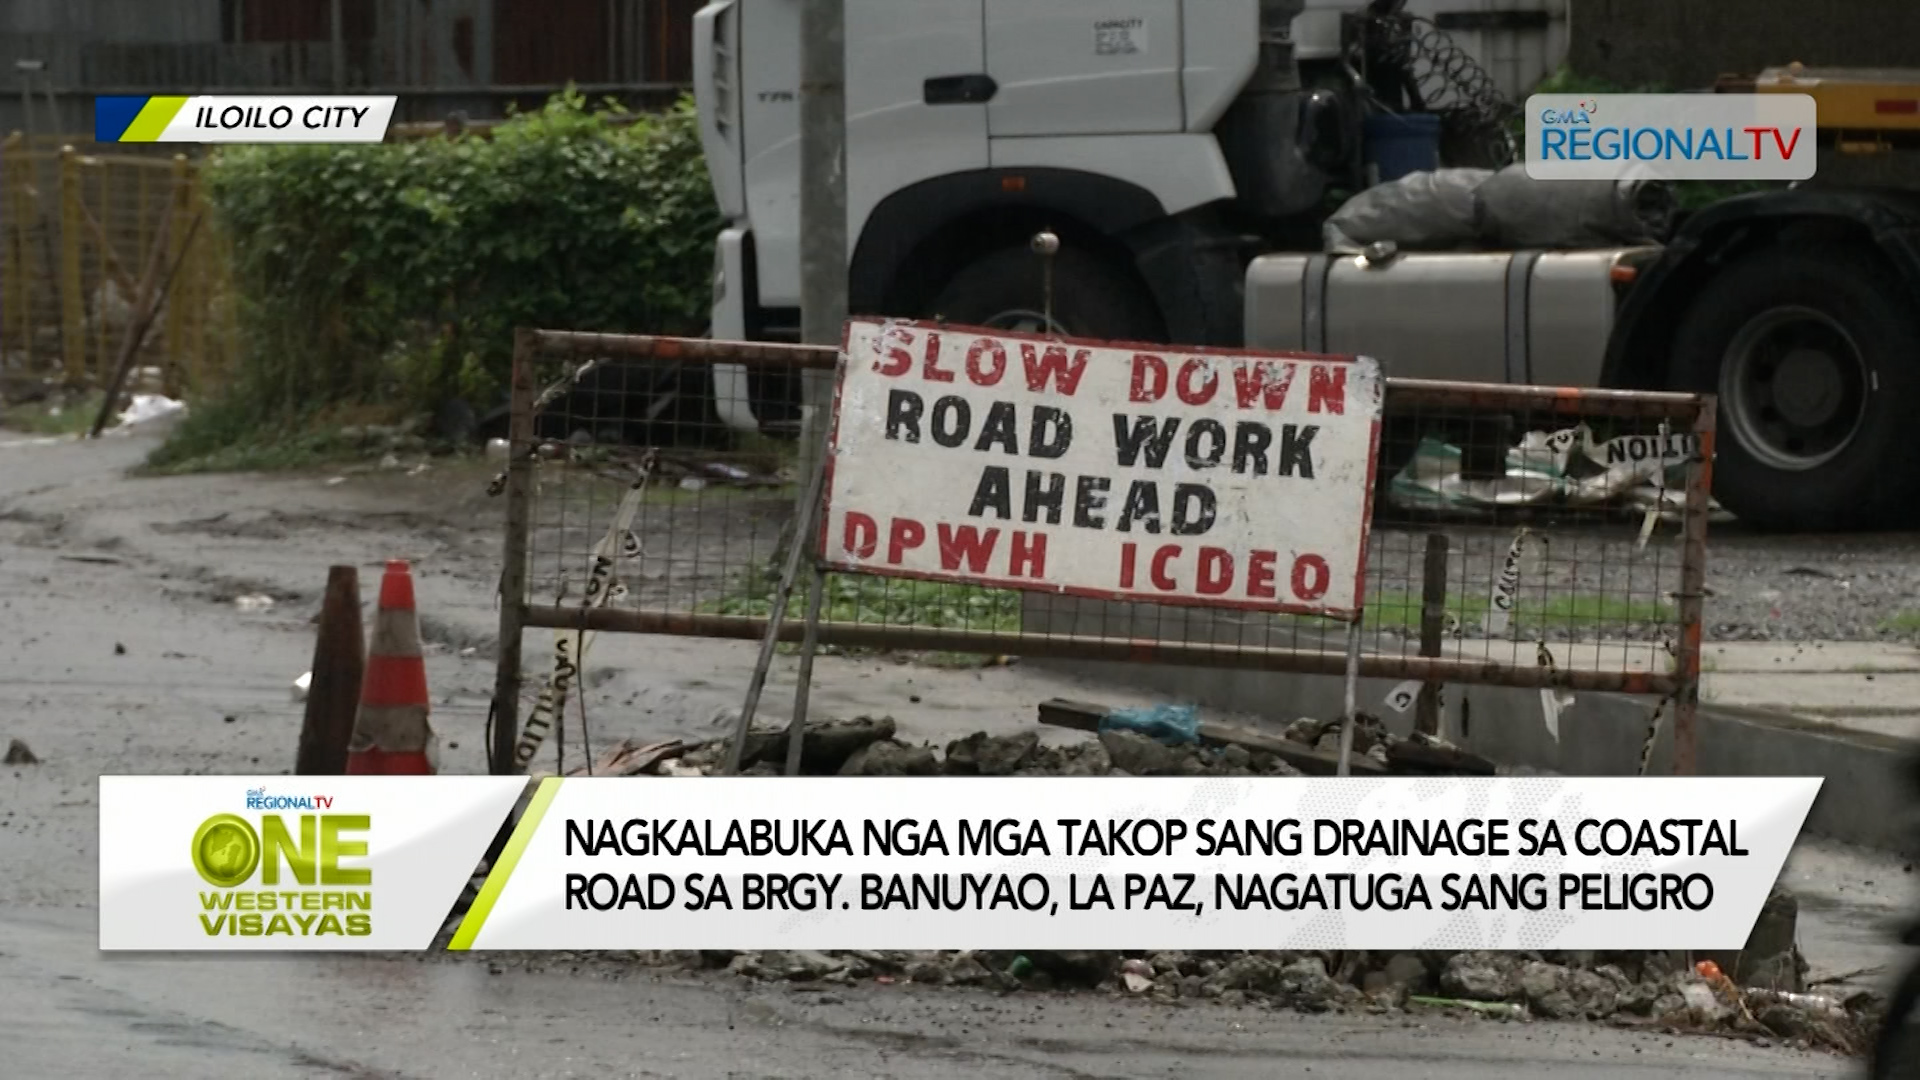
(1694, 413)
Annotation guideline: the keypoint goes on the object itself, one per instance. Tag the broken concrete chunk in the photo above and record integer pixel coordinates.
(1138, 755)
(980, 754)
(890, 758)
(825, 745)
(1479, 976)
(19, 754)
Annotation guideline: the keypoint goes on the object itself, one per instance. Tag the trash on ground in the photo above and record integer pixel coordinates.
(253, 602)
(146, 408)
(1505, 1009)
(1570, 467)
(301, 686)
(1176, 725)
(19, 754)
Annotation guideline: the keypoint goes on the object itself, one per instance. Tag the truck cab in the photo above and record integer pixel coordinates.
(1186, 153)
(1166, 142)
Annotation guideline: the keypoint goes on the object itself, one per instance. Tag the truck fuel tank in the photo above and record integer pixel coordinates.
(1522, 317)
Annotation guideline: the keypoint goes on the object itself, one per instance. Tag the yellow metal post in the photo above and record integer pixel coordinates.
(73, 305)
(16, 326)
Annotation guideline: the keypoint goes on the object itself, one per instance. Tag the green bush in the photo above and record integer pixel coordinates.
(387, 278)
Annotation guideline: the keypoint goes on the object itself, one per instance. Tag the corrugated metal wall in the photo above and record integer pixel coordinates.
(473, 56)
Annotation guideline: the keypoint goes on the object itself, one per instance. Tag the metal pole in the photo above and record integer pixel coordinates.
(1046, 244)
(775, 616)
(1353, 698)
(1433, 628)
(803, 685)
(513, 571)
(823, 212)
(1693, 588)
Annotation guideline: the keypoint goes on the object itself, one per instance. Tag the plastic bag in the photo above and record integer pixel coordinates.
(1423, 210)
(1518, 211)
(1177, 725)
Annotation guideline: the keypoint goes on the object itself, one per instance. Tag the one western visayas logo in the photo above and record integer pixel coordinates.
(298, 875)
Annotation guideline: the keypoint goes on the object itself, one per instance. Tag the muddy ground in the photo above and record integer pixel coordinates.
(126, 653)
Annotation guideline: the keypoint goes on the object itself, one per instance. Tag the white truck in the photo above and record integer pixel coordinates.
(1185, 151)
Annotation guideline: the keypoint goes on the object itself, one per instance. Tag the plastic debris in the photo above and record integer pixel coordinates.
(1137, 975)
(146, 408)
(1402, 696)
(1504, 1009)
(1176, 725)
(1645, 473)
(1020, 968)
(301, 685)
(253, 602)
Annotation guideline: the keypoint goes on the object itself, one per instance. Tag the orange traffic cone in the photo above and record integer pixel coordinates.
(390, 735)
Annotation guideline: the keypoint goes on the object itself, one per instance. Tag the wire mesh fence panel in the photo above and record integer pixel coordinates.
(87, 235)
(1521, 536)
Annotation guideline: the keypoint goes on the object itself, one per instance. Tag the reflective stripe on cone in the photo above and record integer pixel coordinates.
(391, 736)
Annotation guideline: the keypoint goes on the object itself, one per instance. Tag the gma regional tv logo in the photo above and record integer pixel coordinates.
(1671, 136)
(292, 874)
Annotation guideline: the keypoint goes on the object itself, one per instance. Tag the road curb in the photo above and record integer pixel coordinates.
(1866, 799)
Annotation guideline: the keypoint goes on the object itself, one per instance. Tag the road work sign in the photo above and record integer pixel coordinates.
(1122, 472)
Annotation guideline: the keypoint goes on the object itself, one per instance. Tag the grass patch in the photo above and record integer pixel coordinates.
(870, 601)
(226, 435)
(1400, 611)
(69, 417)
(857, 598)
(1901, 622)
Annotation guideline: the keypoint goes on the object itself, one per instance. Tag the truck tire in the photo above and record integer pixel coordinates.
(1815, 357)
(1006, 290)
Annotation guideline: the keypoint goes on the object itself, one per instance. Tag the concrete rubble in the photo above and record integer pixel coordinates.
(1668, 991)
(1653, 990)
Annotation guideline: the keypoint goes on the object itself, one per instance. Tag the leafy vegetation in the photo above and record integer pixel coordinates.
(66, 416)
(1904, 623)
(388, 278)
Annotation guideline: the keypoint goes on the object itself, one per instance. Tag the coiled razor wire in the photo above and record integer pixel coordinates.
(1442, 77)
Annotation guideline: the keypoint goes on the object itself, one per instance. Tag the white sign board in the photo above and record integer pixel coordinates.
(1123, 472)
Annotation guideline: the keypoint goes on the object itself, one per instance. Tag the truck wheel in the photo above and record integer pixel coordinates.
(1091, 299)
(1816, 361)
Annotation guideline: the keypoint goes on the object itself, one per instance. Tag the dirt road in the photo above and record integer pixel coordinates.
(126, 653)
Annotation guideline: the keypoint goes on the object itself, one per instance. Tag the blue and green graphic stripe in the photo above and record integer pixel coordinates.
(134, 118)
